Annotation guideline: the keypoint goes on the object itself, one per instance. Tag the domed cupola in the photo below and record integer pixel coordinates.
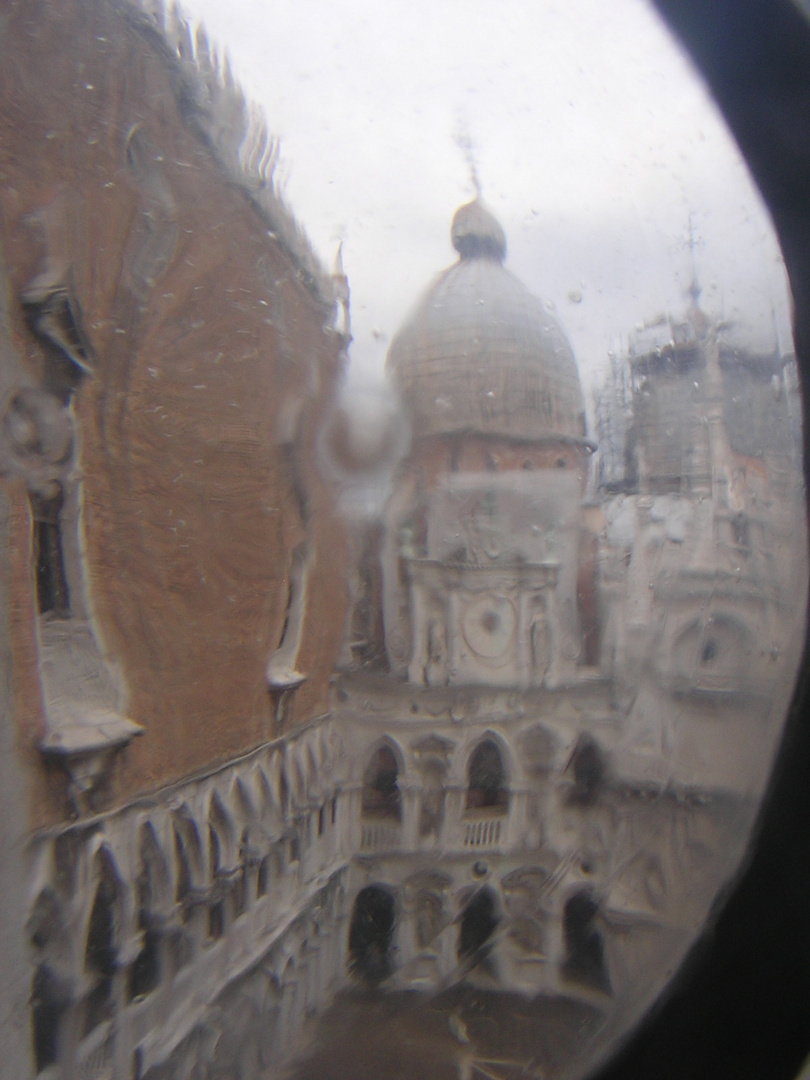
(477, 234)
(480, 355)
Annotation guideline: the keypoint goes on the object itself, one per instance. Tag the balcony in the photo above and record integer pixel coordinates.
(482, 831)
(380, 835)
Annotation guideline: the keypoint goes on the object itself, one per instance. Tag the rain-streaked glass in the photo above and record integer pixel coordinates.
(403, 519)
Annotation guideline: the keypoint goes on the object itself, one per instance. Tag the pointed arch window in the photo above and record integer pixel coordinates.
(587, 771)
(151, 889)
(486, 779)
(51, 990)
(188, 867)
(381, 794)
(371, 934)
(101, 951)
(217, 922)
(585, 953)
(478, 923)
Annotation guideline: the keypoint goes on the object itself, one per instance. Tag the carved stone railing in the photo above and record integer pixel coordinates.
(380, 836)
(245, 871)
(483, 832)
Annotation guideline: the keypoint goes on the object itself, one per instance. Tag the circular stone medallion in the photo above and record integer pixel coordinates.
(489, 626)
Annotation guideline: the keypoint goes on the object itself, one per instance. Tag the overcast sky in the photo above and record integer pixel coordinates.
(593, 140)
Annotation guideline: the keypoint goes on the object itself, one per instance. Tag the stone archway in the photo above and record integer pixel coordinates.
(585, 954)
(381, 794)
(371, 934)
(478, 923)
(486, 778)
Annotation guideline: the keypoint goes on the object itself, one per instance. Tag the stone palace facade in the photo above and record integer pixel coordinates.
(520, 744)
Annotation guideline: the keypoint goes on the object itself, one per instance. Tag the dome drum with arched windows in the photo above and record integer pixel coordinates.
(481, 355)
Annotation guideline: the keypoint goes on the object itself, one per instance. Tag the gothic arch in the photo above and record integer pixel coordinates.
(189, 861)
(102, 941)
(487, 780)
(312, 763)
(154, 875)
(51, 993)
(221, 824)
(478, 923)
(153, 894)
(107, 894)
(284, 793)
(50, 999)
(371, 933)
(584, 946)
(243, 798)
(586, 770)
(381, 796)
(269, 806)
(48, 926)
(216, 909)
(300, 778)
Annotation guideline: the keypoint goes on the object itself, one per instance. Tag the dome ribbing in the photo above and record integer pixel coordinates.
(480, 354)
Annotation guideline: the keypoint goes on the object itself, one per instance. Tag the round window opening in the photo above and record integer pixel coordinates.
(403, 512)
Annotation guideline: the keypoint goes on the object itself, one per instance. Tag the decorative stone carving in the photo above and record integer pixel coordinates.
(156, 885)
(36, 440)
(85, 728)
(488, 624)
